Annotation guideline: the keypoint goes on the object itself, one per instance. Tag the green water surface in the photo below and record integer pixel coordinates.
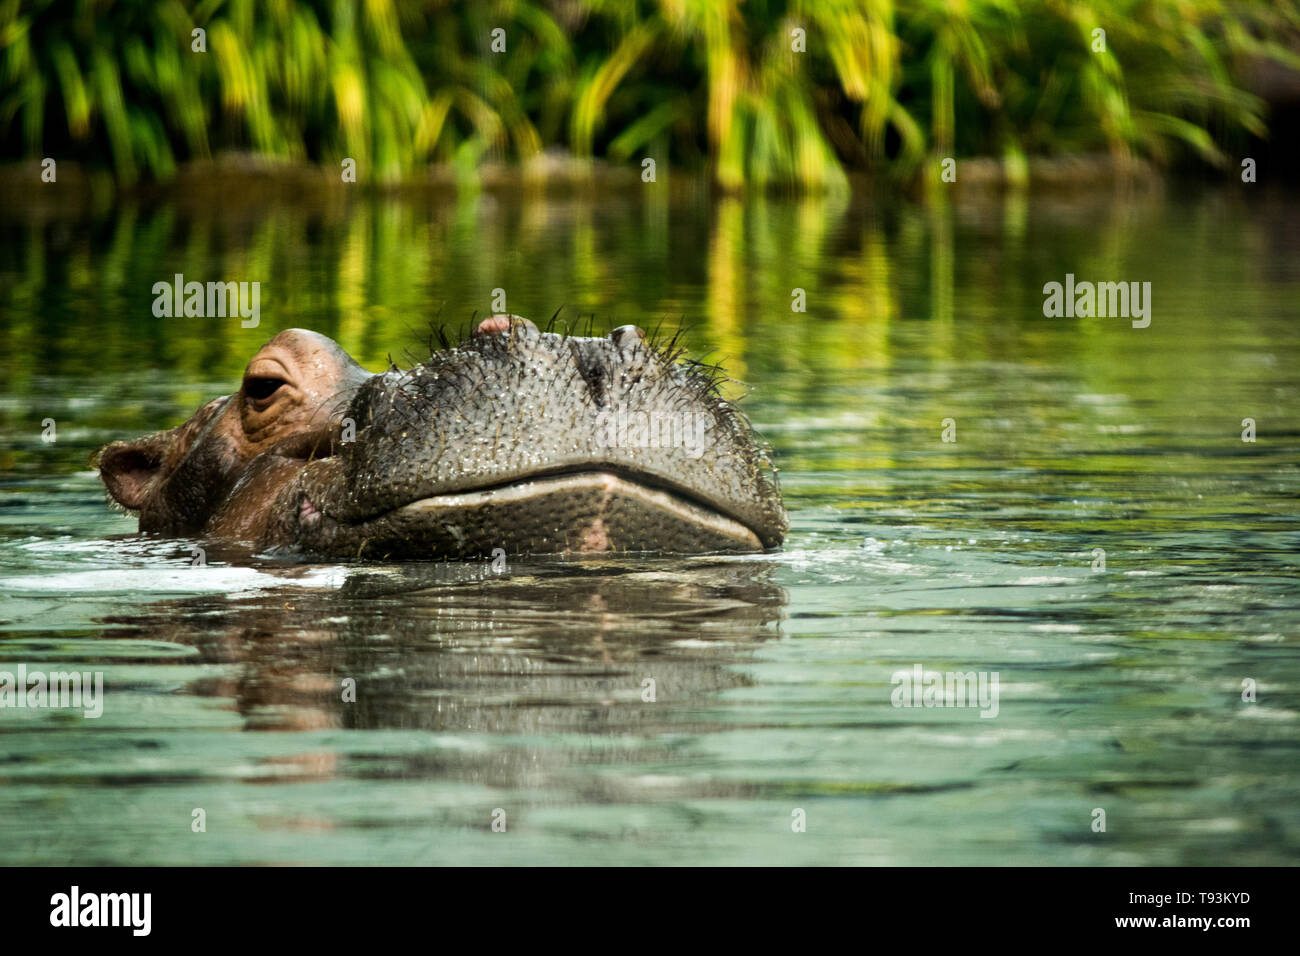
(521, 691)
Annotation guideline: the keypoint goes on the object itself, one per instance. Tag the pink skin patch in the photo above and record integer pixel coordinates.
(595, 538)
(307, 512)
(495, 323)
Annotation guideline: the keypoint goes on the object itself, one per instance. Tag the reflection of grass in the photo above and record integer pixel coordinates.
(395, 86)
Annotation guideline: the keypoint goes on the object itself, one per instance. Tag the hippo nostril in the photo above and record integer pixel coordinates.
(494, 324)
(626, 336)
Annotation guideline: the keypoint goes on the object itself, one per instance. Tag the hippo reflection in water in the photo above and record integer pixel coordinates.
(528, 441)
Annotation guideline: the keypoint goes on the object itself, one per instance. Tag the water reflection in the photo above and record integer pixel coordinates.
(459, 648)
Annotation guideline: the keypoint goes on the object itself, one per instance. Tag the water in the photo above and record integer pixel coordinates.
(519, 695)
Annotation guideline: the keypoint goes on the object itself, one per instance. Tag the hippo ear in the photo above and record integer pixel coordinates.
(130, 469)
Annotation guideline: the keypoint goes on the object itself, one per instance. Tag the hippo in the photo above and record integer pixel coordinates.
(518, 439)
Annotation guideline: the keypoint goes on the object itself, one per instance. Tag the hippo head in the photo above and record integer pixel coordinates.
(527, 441)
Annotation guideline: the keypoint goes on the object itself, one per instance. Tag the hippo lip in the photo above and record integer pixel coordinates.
(645, 493)
(598, 481)
(609, 480)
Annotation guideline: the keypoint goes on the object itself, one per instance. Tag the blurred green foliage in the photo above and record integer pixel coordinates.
(878, 84)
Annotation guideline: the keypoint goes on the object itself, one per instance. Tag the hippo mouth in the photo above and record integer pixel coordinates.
(591, 509)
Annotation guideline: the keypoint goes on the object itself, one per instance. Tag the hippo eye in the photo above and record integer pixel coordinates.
(260, 389)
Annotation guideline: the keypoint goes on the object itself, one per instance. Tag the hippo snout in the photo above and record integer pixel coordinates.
(519, 439)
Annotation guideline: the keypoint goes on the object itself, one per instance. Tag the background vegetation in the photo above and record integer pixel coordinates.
(883, 84)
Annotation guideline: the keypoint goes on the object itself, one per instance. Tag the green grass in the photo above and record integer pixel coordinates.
(880, 85)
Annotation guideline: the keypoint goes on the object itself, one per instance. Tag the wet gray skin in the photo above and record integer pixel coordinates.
(517, 439)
